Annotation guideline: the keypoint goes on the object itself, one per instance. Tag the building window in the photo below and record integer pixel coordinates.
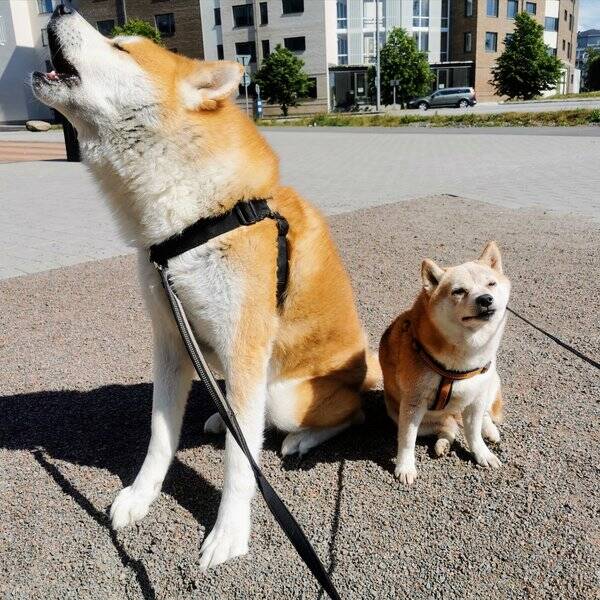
(311, 92)
(443, 46)
(46, 6)
(295, 44)
(570, 22)
(512, 9)
(342, 48)
(468, 41)
(266, 48)
(165, 24)
(369, 55)
(566, 15)
(569, 50)
(243, 15)
(105, 27)
(491, 41)
(246, 48)
(421, 40)
(292, 6)
(507, 38)
(264, 13)
(45, 37)
(445, 14)
(342, 14)
(564, 45)
(551, 24)
(220, 53)
(531, 8)
(217, 17)
(492, 8)
(468, 8)
(552, 51)
(420, 13)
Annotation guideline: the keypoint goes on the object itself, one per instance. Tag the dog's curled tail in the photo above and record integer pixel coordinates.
(374, 376)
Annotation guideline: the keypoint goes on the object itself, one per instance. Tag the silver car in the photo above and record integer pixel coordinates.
(459, 97)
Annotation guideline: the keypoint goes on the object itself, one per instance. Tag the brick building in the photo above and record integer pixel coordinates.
(479, 29)
(178, 21)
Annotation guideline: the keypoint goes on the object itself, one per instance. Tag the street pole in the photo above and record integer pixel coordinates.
(377, 68)
(394, 94)
(246, 90)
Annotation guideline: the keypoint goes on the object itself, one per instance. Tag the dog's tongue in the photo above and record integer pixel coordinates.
(52, 75)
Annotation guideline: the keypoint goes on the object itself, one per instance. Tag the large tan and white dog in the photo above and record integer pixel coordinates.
(168, 147)
(454, 326)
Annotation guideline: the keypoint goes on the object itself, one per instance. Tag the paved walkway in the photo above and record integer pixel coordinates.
(54, 215)
(30, 151)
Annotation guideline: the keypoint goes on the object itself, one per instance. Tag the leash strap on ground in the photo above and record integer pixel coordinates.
(276, 506)
(566, 346)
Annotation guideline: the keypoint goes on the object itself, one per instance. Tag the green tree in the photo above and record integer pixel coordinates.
(592, 70)
(137, 27)
(525, 69)
(282, 79)
(401, 59)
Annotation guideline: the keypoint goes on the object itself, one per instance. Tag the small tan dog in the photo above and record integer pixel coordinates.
(439, 360)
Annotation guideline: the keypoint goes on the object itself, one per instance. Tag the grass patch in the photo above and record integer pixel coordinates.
(564, 118)
(582, 96)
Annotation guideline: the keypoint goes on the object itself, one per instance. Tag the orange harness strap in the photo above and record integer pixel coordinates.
(444, 391)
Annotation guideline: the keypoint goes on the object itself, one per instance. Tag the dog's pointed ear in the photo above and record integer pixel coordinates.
(491, 256)
(431, 275)
(210, 82)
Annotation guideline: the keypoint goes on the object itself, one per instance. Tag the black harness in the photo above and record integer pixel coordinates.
(204, 230)
(243, 213)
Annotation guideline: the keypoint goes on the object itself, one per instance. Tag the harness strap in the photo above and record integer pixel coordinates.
(204, 230)
(448, 377)
(282, 515)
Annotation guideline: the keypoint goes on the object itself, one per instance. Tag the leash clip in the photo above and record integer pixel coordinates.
(246, 213)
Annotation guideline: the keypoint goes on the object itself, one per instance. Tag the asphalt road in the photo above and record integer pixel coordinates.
(536, 106)
(74, 424)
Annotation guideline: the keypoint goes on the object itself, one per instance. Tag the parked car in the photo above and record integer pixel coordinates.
(459, 97)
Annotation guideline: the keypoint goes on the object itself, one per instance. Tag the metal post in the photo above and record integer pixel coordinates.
(394, 94)
(246, 90)
(377, 68)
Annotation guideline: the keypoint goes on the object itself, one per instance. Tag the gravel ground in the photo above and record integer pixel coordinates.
(74, 423)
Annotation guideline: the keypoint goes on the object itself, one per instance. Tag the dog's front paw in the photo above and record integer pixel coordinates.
(228, 539)
(490, 432)
(442, 447)
(486, 458)
(128, 507)
(406, 473)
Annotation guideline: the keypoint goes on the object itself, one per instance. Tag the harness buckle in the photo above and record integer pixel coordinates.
(246, 213)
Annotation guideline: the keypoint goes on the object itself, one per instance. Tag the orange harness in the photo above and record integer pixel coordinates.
(444, 391)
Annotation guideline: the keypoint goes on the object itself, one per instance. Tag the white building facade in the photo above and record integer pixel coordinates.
(336, 39)
(23, 49)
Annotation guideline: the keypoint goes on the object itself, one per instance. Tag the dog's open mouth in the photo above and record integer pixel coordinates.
(64, 71)
(482, 316)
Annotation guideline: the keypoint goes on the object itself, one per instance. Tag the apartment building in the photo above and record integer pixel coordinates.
(23, 49)
(586, 40)
(178, 21)
(336, 39)
(480, 29)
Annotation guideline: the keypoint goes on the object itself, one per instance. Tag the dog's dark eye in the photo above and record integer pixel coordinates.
(120, 48)
(459, 292)
(491, 284)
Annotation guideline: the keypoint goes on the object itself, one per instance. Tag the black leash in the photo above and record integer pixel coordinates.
(566, 346)
(276, 506)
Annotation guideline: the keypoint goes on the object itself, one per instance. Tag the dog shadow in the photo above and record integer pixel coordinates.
(109, 428)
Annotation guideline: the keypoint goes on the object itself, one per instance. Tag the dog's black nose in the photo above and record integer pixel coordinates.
(62, 9)
(485, 300)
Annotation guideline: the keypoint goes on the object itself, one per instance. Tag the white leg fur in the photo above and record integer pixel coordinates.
(489, 430)
(230, 535)
(300, 442)
(409, 419)
(172, 380)
(214, 424)
(473, 416)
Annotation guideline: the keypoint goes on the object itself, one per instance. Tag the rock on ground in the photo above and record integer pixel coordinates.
(37, 126)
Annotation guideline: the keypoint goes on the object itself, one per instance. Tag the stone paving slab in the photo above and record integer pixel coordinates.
(54, 213)
(11, 152)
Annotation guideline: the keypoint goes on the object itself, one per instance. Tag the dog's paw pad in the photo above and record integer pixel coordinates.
(442, 447)
(128, 507)
(406, 474)
(214, 424)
